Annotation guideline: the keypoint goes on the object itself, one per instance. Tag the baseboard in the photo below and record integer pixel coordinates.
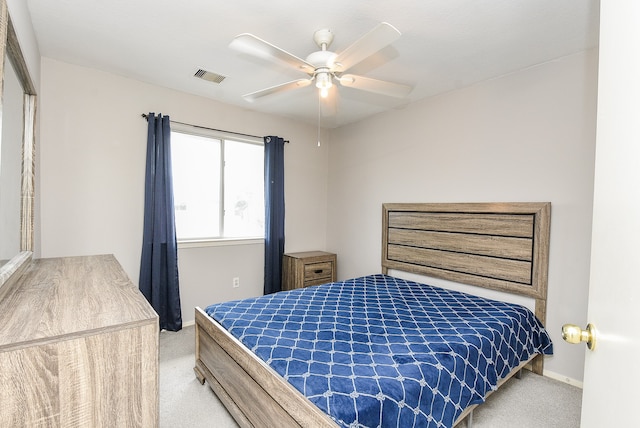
(188, 323)
(562, 378)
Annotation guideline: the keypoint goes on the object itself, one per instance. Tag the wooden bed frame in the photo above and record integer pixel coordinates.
(500, 246)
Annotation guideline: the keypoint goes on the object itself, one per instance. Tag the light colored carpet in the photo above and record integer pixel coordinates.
(184, 402)
(531, 402)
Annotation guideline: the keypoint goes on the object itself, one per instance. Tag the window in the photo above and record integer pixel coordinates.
(218, 185)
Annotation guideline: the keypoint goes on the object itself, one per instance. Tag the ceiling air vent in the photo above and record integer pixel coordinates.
(208, 75)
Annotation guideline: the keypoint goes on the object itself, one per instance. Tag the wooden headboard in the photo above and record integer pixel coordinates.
(501, 246)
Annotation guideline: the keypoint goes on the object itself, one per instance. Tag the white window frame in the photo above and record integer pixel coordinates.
(222, 136)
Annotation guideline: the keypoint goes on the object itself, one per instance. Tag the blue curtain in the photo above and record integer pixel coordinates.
(159, 262)
(274, 213)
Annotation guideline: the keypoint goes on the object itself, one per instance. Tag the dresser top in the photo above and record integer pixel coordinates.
(70, 296)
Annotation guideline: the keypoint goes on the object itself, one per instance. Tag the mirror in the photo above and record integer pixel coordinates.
(10, 163)
(16, 155)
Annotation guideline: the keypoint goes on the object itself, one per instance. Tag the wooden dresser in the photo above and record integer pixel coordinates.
(78, 347)
(308, 268)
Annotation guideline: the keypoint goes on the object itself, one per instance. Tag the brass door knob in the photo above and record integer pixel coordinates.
(574, 334)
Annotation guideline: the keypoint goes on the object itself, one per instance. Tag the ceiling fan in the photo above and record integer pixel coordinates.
(325, 67)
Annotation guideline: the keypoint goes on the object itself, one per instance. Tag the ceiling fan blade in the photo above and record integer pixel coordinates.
(381, 36)
(252, 45)
(295, 84)
(382, 87)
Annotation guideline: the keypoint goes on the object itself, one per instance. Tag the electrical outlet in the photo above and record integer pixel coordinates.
(236, 282)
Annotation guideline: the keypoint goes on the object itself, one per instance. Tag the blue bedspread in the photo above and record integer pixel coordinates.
(378, 351)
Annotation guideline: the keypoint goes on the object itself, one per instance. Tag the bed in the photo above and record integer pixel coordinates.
(381, 350)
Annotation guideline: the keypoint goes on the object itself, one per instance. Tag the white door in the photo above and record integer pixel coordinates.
(611, 381)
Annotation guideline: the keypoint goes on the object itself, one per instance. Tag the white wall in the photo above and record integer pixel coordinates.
(527, 136)
(92, 164)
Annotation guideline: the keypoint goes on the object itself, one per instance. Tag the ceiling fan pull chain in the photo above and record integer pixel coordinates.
(319, 105)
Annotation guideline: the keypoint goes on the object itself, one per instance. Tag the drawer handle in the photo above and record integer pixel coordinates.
(317, 271)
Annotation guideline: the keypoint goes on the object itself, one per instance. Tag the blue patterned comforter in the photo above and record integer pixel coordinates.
(379, 351)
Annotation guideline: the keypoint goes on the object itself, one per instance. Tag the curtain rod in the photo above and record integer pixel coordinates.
(212, 129)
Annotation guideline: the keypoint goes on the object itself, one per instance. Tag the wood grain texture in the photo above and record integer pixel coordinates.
(67, 296)
(78, 347)
(29, 376)
(237, 384)
(27, 195)
(520, 225)
(516, 271)
(485, 245)
(14, 51)
(502, 246)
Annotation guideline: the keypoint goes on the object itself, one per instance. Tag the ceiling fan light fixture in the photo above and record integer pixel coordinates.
(323, 82)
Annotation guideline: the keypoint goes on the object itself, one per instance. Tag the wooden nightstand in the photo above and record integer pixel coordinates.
(308, 268)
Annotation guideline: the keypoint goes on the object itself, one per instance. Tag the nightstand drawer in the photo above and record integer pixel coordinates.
(315, 271)
(317, 281)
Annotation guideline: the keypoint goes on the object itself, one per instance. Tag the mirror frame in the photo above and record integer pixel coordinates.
(10, 48)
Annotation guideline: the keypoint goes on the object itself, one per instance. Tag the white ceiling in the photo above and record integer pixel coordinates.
(445, 44)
